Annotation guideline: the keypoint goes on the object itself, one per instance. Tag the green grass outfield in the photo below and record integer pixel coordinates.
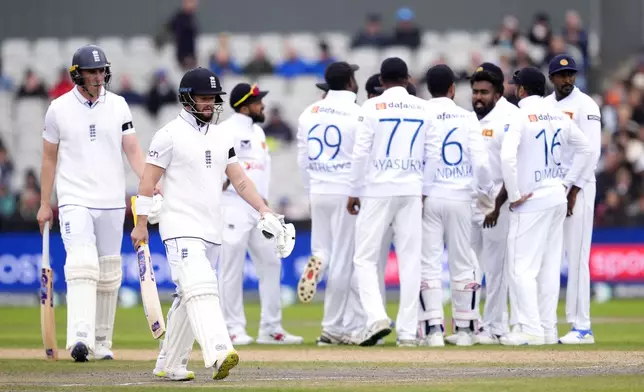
(620, 324)
(615, 363)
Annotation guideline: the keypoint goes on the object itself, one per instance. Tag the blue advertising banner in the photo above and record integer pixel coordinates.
(20, 256)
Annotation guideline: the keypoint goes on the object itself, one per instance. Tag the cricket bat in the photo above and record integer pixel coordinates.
(47, 315)
(149, 293)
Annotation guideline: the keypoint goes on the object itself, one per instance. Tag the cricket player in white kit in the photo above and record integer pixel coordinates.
(325, 139)
(578, 226)
(86, 131)
(447, 214)
(490, 223)
(240, 234)
(396, 134)
(193, 156)
(538, 136)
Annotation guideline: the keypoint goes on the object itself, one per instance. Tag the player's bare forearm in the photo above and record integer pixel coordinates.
(134, 154)
(245, 188)
(151, 176)
(48, 171)
(500, 198)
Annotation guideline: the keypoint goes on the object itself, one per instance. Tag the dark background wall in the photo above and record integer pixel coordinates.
(619, 22)
(34, 18)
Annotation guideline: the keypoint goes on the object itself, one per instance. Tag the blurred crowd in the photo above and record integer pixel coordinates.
(620, 175)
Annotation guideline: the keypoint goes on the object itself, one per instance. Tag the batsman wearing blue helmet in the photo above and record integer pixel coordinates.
(86, 131)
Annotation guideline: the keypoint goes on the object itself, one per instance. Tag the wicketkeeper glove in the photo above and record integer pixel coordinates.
(273, 226)
(155, 212)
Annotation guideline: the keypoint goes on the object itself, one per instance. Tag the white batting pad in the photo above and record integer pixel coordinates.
(81, 275)
(179, 338)
(463, 293)
(107, 290)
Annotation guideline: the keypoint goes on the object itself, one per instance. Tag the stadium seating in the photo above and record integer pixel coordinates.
(138, 58)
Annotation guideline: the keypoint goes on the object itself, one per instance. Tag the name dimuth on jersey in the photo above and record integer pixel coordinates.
(398, 164)
(549, 173)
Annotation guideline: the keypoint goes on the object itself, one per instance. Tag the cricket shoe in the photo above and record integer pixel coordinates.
(521, 339)
(80, 352)
(407, 343)
(486, 338)
(435, 339)
(578, 336)
(550, 337)
(376, 331)
(241, 339)
(103, 353)
(330, 339)
(180, 374)
(308, 284)
(223, 366)
(461, 338)
(279, 337)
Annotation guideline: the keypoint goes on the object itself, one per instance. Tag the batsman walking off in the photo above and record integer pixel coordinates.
(193, 156)
(86, 131)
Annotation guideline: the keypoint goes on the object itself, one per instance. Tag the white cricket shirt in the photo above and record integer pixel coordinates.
(583, 110)
(251, 150)
(531, 154)
(463, 155)
(325, 138)
(493, 128)
(195, 159)
(90, 170)
(396, 136)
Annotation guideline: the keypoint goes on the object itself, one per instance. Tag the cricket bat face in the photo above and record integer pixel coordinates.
(149, 293)
(47, 316)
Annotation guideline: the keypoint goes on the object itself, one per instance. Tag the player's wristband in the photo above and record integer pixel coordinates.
(143, 205)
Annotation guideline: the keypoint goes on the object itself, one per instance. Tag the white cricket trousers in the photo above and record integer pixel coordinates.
(578, 232)
(93, 272)
(449, 222)
(376, 214)
(490, 246)
(332, 235)
(240, 235)
(192, 266)
(535, 250)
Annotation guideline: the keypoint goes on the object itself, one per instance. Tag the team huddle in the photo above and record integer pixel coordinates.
(509, 191)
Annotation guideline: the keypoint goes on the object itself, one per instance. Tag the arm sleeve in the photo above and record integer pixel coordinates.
(50, 131)
(479, 158)
(576, 140)
(590, 124)
(509, 150)
(128, 126)
(361, 151)
(302, 152)
(432, 153)
(160, 152)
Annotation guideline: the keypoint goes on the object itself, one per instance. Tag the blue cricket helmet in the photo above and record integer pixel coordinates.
(89, 57)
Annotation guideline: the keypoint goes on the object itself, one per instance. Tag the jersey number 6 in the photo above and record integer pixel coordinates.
(324, 141)
(397, 122)
(453, 144)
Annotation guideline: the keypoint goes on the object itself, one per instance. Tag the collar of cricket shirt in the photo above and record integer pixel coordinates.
(190, 119)
(85, 101)
(397, 90)
(530, 101)
(242, 120)
(443, 100)
(341, 95)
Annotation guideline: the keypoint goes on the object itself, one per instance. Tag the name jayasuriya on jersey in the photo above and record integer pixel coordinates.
(459, 171)
(398, 164)
(325, 110)
(329, 167)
